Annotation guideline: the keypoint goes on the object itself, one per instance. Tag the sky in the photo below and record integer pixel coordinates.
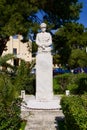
(83, 14)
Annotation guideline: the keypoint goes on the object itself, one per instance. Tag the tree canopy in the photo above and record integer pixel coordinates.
(78, 58)
(70, 43)
(16, 16)
(62, 11)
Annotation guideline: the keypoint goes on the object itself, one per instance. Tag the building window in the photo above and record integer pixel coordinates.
(15, 51)
(16, 62)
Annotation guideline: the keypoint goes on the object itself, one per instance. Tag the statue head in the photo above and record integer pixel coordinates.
(43, 27)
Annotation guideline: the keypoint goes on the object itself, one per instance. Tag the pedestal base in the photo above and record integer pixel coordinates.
(31, 103)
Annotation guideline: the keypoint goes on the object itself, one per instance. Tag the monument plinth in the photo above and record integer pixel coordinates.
(44, 83)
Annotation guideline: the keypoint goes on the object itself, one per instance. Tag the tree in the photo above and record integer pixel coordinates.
(9, 105)
(78, 58)
(18, 17)
(24, 80)
(56, 59)
(69, 37)
(7, 90)
(15, 18)
(61, 11)
(4, 59)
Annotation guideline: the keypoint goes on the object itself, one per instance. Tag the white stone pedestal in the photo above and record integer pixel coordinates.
(44, 83)
(31, 103)
(44, 98)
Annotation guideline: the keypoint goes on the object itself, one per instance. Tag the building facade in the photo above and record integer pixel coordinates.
(22, 51)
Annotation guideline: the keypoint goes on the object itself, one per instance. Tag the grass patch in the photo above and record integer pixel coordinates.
(23, 124)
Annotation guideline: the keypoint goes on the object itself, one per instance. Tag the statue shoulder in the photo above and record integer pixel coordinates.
(47, 33)
(38, 34)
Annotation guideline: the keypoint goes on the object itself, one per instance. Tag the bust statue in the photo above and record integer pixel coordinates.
(44, 39)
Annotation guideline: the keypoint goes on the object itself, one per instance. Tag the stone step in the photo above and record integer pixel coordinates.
(42, 119)
(31, 103)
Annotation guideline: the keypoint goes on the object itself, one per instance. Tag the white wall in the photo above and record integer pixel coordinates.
(22, 49)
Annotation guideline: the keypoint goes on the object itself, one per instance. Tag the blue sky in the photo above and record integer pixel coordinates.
(83, 14)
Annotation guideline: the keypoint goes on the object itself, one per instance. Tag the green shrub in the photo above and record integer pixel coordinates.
(80, 82)
(23, 124)
(7, 89)
(76, 83)
(26, 83)
(84, 100)
(24, 80)
(60, 83)
(75, 112)
(9, 105)
(56, 87)
(10, 115)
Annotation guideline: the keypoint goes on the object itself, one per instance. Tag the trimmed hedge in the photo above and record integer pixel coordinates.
(76, 83)
(75, 111)
(60, 83)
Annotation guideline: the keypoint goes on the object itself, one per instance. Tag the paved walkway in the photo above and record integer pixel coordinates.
(42, 119)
